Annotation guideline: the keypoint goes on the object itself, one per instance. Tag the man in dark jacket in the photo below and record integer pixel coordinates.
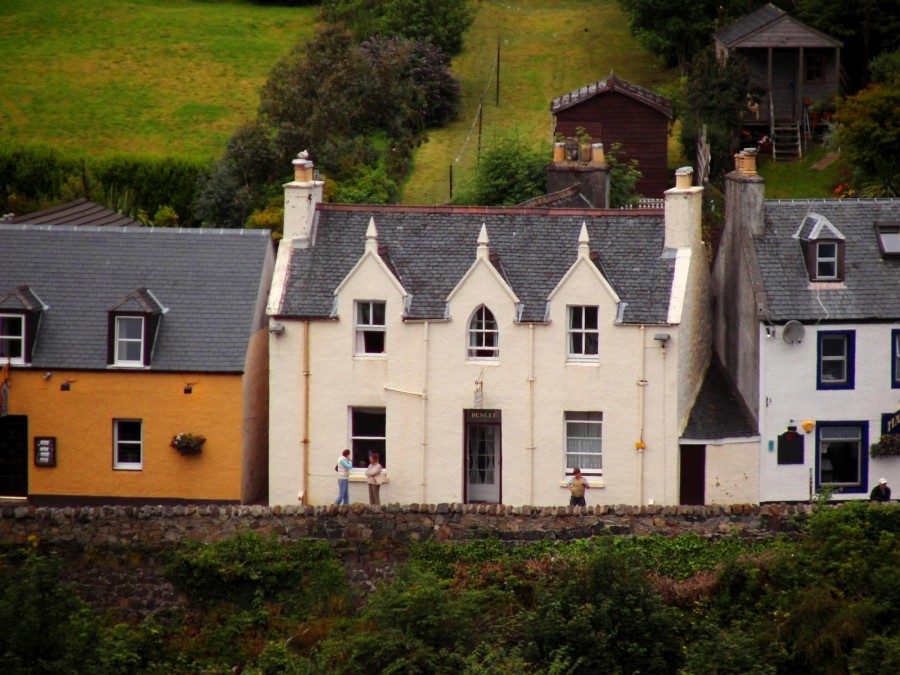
(881, 492)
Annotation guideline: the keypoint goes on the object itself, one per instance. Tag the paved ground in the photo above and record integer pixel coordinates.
(826, 160)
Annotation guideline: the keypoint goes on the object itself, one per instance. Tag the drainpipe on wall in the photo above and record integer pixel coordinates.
(304, 496)
(531, 413)
(639, 445)
(424, 404)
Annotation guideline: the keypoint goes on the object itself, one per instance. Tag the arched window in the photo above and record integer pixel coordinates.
(484, 340)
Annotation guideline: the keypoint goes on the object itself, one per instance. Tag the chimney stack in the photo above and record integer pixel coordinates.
(684, 206)
(745, 193)
(300, 199)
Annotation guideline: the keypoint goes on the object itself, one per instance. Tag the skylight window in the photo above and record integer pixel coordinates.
(889, 238)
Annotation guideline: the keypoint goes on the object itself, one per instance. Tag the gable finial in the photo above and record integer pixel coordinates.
(584, 242)
(372, 236)
(483, 241)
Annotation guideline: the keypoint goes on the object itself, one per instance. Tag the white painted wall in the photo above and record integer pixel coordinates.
(788, 395)
(425, 434)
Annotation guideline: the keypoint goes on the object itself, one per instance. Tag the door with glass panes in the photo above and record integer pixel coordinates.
(482, 460)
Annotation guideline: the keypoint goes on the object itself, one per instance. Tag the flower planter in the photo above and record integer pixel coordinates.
(188, 444)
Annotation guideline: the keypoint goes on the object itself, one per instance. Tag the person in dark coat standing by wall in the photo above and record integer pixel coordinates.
(881, 492)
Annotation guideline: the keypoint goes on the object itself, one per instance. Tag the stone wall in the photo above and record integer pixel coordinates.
(114, 554)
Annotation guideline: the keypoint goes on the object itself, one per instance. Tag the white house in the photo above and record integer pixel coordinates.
(808, 325)
(486, 352)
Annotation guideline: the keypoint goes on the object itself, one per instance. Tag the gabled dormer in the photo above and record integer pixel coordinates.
(133, 327)
(20, 318)
(823, 248)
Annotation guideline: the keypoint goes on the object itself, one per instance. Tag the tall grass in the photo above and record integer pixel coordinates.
(546, 49)
(154, 77)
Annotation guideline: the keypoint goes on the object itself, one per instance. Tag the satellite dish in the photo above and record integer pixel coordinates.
(793, 332)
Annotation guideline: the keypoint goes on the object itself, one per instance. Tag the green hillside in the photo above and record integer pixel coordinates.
(156, 77)
(546, 49)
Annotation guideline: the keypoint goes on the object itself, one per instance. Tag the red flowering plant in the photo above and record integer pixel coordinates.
(887, 445)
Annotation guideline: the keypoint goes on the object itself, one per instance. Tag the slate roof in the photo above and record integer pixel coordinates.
(609, 84)
(210, 281)
(762, 19)
(718, 412)
(79, 212)
(871, 286)
(567, 198)
(431, 249)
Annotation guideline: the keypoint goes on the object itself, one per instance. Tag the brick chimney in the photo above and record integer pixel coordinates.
(300, 198)
(684, 205)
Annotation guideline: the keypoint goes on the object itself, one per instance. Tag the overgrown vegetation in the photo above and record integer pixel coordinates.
(826, 603)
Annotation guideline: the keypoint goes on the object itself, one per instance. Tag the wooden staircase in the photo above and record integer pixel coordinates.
(787, 143)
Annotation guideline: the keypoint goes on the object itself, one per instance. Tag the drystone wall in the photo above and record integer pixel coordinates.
(114, 554)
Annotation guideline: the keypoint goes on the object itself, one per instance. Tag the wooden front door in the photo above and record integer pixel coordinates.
(14, 456)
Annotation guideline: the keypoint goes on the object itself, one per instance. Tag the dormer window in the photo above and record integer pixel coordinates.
(133, 327)
(20, 317)
(823, 248)
(826, 260)
(889, 238)
(12, 339)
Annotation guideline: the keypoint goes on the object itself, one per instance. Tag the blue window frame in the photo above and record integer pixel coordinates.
(836, 357)
(842, 457)
(895, 359)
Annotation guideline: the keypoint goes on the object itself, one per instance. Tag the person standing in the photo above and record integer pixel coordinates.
(881, 492)
(577, 485)
(343, 467)
(372, 472)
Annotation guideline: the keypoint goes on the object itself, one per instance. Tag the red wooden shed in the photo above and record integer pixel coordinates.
(612, 110)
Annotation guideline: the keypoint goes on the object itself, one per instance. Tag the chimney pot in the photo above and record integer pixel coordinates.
(684, 177)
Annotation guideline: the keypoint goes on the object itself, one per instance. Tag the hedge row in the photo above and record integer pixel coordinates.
(35, 177)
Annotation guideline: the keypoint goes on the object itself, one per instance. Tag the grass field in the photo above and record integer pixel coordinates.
(177, 77)
(546, 49)
(155, 77)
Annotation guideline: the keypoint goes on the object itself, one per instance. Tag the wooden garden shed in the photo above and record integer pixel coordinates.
(793, 65)
(612, 110)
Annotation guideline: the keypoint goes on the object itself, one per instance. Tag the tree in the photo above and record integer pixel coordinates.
(715, 95)
(509, 173)
(868, 132)
(442, 21)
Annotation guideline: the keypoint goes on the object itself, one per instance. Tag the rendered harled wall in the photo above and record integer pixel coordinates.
(425, 381)
(81, 420)
(788, 396)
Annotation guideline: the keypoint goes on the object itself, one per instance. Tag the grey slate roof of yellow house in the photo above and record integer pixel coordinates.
(431, 248)
(78, 212)
(871, 282)
(212, 284)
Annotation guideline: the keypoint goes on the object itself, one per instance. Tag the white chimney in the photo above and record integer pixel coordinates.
(300, 198)
(684, 205)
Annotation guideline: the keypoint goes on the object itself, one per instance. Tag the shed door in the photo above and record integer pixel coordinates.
(14, 456)
(692, 483)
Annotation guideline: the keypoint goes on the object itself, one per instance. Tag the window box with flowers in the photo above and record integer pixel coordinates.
(188, 444)
(888, 445)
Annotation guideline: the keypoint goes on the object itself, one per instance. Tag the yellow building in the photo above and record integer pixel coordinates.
(119, 339)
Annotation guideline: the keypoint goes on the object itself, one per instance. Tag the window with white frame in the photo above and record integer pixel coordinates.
(12, 338)
(370, 329)
(842, 460)
(826, 260)
(836, 360)
(484, 339)
(584, 332)
(128, 442)
(129, 342)
(368, 427)
(584, 442)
